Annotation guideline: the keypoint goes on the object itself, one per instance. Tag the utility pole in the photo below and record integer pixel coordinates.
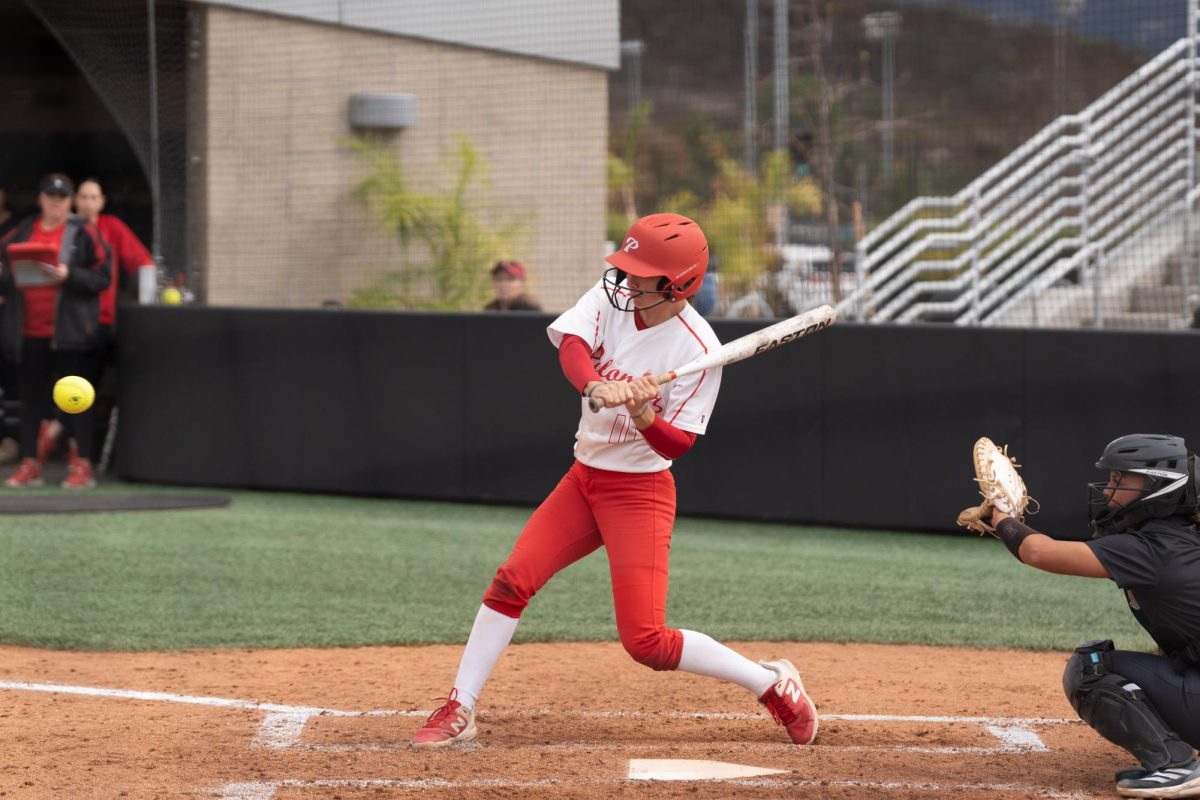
(1190, 261)
(633, 49)
(885, 27)
(155, 171)
(750, 88)
(782, 106)
(781, 74)
(1065, 12)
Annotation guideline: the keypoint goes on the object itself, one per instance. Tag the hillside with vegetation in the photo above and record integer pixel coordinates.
(968, 91)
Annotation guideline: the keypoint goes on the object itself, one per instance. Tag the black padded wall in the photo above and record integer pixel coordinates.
(858, 426)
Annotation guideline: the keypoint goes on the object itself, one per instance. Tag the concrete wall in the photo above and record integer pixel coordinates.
(273, 219)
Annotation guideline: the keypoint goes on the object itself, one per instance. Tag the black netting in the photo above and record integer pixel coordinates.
(967, 161)
(143, 89)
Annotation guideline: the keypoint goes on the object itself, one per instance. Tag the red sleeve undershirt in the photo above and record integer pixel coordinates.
(575, 357)
(667, 440)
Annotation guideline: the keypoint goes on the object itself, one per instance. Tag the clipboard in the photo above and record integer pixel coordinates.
(28, 261)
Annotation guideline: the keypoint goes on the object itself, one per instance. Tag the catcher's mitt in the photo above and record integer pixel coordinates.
(1001, 487)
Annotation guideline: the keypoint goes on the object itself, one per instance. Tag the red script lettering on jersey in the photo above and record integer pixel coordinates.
(609, 373)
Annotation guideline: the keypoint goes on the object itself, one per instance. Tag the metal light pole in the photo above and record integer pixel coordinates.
(1189, 259)
(781, 74)
(155, 172)
(1065, 12)
(885, 27)
(750, 106)
(632, 49)
(782, 106)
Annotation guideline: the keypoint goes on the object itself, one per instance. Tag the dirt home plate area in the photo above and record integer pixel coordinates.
(556, 721)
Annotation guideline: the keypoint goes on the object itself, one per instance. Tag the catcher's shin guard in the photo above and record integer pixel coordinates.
(1117, 709)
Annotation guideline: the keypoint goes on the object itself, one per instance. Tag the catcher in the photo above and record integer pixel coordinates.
(1147, 541)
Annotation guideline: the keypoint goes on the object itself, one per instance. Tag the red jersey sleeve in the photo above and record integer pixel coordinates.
(667, 440)
(575, 358)
(128, 251)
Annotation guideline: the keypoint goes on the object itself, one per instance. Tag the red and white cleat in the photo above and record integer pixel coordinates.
(28, 474)
(451, 723)
(789, 704)
(80, 475)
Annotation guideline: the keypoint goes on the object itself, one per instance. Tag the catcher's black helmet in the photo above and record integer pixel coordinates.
(1171, 481)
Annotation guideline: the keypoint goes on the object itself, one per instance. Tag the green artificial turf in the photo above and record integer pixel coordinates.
(284, 570)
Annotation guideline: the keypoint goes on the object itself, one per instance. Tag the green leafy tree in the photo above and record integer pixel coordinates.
(450, 238)
(622, 173)
(739, 221)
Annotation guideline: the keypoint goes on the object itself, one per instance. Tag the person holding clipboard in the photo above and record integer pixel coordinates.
(53, 269)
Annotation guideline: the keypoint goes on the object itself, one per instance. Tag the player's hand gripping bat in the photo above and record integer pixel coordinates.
(749, 345)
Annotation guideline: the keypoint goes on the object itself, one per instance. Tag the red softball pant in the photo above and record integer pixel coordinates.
(630, 515)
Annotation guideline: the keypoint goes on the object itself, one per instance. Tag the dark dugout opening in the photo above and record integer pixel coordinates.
(77, 97)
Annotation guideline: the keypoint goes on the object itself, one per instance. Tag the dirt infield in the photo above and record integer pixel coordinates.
(556, 721)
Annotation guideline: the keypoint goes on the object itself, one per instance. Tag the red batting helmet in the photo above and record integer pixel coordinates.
(667, 245)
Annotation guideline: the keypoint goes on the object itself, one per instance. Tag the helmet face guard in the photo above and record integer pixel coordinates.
(623, 298)
(1171, 481)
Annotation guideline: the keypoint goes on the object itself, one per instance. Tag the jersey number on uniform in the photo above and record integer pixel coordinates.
(620, 432)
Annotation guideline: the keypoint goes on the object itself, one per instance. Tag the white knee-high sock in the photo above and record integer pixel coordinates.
(490, 635)
(704, 655)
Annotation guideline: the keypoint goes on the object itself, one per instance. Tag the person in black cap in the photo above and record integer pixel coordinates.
(508, 283)
(1147, 541)
(51, 322)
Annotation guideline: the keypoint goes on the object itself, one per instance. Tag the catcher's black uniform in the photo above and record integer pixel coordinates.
(1158, 567)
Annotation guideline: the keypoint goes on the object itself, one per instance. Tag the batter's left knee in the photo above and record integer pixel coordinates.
(657, 648)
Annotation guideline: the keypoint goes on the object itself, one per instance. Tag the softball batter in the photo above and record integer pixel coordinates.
(619, 494)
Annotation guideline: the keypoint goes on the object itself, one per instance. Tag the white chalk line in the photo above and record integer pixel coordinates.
(169, 697)
(283, 725)
(265, 790)
(782, 747)
(281, 728)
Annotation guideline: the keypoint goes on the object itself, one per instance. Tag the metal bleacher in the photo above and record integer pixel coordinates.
(1090, 223)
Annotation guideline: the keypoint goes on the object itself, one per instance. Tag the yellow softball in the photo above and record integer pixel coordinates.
(73, 394)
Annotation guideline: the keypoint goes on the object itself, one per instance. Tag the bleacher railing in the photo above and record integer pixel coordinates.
(1058, 212)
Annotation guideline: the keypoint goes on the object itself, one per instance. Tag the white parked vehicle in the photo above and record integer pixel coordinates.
(805, 279)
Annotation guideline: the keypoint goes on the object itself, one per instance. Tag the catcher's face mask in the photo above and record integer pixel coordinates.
(1128, 497)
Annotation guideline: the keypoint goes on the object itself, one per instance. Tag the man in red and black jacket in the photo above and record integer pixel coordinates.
(53, 329)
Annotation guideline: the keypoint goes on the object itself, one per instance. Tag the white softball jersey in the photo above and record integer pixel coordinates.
(609, 439)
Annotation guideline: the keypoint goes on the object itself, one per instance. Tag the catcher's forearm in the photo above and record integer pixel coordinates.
(1013, 533)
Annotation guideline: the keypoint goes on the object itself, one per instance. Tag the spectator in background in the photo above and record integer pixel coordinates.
(508, 284)
(8, 220)
(8, 370)
(130, 258)
(130, 261)
(52, 329)
(705, 300)
(800, 147)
